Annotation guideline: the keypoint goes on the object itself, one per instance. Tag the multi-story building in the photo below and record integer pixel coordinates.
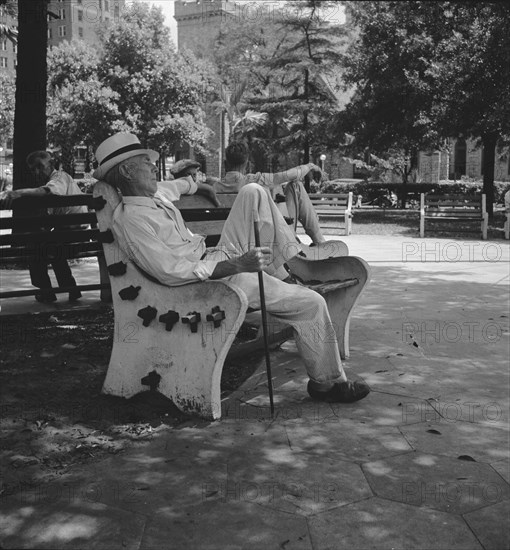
(79, 19)
(67, 20)
(198, 26)
(8, 48)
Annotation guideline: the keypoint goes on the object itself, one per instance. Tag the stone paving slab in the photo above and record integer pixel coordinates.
(443, 483)
(482, 443)
(235, 525)
(491, 525)
(69, 522)
(377, 524)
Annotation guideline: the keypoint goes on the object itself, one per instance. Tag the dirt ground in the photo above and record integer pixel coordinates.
(53, 416)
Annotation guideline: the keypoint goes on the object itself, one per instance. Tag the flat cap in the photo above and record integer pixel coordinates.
(182, 165)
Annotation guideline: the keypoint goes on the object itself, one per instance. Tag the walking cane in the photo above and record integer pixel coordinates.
(264, 319)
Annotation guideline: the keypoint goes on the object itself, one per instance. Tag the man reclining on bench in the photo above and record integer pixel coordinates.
(152, 232)
(297, 200)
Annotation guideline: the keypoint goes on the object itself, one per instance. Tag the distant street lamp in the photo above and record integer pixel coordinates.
(323, 158)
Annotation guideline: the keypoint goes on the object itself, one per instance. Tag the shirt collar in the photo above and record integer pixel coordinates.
(148, 202)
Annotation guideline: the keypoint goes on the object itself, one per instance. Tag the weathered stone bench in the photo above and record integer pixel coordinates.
(175, 339)
(452, 209)
(334, 205)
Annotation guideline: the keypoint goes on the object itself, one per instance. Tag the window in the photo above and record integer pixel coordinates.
(80, 15)
(106, 5)
(4, 45)
(62, 30)
(459, 159)
(62, 14)
(80, 32)
(50, 34)
(3, 62)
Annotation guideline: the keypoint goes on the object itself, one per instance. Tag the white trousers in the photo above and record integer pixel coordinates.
(303, 309)
(300, 207)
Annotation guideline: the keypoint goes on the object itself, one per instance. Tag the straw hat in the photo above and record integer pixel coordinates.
(117, 148)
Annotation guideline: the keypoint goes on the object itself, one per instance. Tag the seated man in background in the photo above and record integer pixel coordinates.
(152, 232)
(297, 200)
(187, 167)
(56, 182)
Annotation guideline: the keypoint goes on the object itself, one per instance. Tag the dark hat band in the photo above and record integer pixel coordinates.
(122, 150)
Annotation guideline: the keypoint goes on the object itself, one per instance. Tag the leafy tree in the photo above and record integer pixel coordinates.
(472, 71)
(387, 63)
(8, 88)
(134, 81)
(287, 62)
(80, 108)
(160, 93)
(427, 70)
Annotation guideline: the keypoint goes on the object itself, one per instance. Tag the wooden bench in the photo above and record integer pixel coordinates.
(33, 235)
(334, 205)
(175, 339)
(452, 209)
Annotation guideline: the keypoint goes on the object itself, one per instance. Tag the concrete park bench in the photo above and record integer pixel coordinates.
(454, 209)
(175, 339)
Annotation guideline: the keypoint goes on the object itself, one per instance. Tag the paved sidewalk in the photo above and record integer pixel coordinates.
(421, 463)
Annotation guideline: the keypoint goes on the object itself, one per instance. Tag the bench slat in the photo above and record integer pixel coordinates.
(324, 288)
(33, 223)
(78, 236)
(60, 290)
(69, 251)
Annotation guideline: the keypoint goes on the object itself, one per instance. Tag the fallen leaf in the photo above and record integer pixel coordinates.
(434, 432)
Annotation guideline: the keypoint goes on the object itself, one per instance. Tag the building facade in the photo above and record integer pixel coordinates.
(198, 26)
(8, 48)
(79, 19)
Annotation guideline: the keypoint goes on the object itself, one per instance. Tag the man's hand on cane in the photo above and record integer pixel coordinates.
(254, 260)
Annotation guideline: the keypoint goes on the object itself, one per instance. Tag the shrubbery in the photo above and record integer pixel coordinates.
(373, 190)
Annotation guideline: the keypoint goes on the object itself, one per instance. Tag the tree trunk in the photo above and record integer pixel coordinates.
(489, 142)
(31, 75)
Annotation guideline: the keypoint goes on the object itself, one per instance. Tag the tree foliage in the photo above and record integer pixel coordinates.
(133, 81)
(7, 91)
(423, 71)
(287, 61)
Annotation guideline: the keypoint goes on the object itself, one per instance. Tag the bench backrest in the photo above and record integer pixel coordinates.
(31, 233)
(454, 203)
(204, 218)
(333, 201)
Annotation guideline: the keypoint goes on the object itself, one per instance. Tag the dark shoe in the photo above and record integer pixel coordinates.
(74, 296)
(46, 297)
(288, 221)
(341, 392)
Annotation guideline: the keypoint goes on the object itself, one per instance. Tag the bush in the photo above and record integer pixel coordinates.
(373, 190)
